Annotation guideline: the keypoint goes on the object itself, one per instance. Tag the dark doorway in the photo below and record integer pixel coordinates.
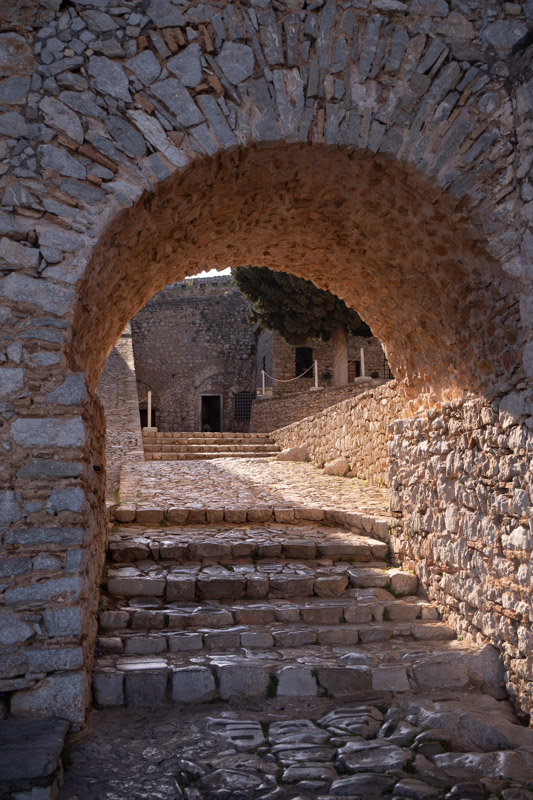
(210, 414)
(354, 370)
(144, 417)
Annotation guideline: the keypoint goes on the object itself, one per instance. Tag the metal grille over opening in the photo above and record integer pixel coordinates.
(243, 406)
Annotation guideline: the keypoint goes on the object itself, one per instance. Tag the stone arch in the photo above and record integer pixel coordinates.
(379, 136)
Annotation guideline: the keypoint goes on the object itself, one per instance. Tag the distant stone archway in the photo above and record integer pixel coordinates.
(377, 148)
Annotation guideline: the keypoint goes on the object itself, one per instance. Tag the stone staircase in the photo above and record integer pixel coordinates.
(193, 613)
(162, 446)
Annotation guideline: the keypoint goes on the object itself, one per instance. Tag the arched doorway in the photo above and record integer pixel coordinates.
(358, 154)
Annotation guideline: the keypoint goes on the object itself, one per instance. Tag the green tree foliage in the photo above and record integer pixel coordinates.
(294, 307)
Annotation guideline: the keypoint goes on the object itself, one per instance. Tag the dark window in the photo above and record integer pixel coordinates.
(303, 360)
(243, 406)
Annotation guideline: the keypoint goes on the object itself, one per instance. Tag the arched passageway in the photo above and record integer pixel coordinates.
(398, 249)
(381, 152)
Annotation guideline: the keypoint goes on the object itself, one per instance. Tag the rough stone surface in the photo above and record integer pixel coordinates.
(399, 180)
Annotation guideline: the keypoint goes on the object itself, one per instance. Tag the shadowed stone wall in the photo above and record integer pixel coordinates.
(380, 149)
(356, 428)
(271, 413)
(117, 389)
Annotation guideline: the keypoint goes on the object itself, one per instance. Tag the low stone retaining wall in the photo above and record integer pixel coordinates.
(270, 413)
(462, 492)
(355, 428)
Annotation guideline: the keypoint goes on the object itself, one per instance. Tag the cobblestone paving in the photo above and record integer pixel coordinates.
(246, 483)
(458, 747)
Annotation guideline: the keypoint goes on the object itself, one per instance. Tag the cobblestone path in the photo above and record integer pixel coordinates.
(454, 746)
(245, 483)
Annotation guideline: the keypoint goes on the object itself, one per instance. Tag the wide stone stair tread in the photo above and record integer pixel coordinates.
(152, 680)
(127, 544)
(266, 579)
(272, 635)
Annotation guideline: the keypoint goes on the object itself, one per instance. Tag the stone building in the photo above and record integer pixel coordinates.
(202, 360)
(283, 363)
(195, 351)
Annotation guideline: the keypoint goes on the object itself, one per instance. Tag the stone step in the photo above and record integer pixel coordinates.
(188, 456)
(225, 544)
(277, 635)
(154, 680)
(243, 524)
(365, 606)
(196, 436)
(273, 579)
(236, 447)
(30, 755)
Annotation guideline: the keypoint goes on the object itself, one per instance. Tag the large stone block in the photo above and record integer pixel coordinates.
(12, 629)
(40, 537)
(180, 587)
(30, 749)
(63, 622)
(192, 685)
(146, 688)
(64, 696)
(390, 679)
(43, 294)
(11, 380)
(58, 590)
(242, 679)
(108, 688)
(9, 508)
(54, 659)
(344, 680)
(48, 432)
(296, 682)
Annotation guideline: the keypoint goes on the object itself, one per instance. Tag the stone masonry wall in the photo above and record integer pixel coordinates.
(462, 491)
(381, 149)
(117, 389)
(193, 341)
(355, 428)
(271, 413)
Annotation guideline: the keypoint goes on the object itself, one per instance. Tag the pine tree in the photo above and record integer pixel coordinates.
(298, 311)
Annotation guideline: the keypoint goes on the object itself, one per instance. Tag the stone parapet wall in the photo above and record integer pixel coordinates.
(462, 491)
(117, 390)
(270, 413)
(355, 428)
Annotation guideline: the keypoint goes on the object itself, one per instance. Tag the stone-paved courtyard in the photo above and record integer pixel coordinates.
(244, 483)
(459, 747)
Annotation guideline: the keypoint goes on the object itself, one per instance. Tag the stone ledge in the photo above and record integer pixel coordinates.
(30, 756)
(377, 526)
